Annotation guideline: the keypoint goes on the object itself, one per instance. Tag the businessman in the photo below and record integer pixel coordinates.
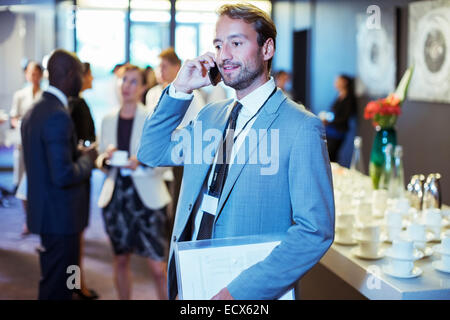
(233, 194)
(57, 175)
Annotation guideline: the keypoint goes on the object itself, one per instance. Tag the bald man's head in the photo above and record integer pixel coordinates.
(65, 72)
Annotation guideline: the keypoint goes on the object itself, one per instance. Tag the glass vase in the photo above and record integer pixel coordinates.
(383, 137)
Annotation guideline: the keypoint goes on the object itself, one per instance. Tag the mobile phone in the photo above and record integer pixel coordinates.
(214, 75)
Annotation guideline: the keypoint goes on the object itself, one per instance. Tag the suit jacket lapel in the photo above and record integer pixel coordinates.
(263, 121)
(197, 173)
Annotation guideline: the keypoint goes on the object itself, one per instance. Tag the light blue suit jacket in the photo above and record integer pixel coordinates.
(297, 200)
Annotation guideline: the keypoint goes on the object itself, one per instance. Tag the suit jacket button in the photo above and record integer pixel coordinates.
(190, 207)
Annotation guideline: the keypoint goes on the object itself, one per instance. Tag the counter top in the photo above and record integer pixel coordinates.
(368, 278)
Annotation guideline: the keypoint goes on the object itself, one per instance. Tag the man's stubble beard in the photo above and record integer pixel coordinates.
(246, 77)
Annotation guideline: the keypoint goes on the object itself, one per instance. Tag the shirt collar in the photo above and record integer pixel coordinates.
(59, 94)
(255, 99)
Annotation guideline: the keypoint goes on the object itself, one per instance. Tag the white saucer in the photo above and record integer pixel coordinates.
(417, 254)
(117, 164)
(438, 248)
(430, 237)
(382, 238)
(387, 269)
(345, 242)
(357, 253)
(427, 252)
(439, 266)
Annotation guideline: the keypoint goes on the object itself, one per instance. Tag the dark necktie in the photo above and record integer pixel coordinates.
(220, 171)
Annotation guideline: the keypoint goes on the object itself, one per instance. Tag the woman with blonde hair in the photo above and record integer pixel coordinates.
(134, 197)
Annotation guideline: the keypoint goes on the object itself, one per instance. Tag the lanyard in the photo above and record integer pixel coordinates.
(257, 112)
(219, 175)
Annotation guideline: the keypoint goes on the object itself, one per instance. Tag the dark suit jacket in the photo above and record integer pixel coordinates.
(57, 173)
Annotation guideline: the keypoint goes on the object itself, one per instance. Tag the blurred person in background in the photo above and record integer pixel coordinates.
(282, 78)
(343, 108)
(134, 197)
(165, 73)
(23, 100)
(150, 81)
(57, 172)
(85, 132)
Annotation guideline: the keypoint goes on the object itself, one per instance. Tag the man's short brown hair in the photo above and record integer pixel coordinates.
(261, 21)
(170, 55)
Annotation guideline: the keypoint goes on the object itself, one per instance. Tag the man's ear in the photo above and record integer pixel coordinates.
(268, 49)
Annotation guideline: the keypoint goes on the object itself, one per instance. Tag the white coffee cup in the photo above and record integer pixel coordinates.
(379, 202)
(393, 218)
(445, 250)
(402, 205)
(416, 232)
(445, 243)
(344, 234)
(368, 248)
(119, 157)
(345, 220)
(402, 267)
(369, 233)
(364, 213)
(433, 221)
(403, 249)
(393, 232)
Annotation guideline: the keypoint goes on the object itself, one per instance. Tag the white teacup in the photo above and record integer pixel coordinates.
(344, 234)
(393, 218)
(402, 205)
(364, 213)
(403, 249)
(379, 202)
(445, 250)
(345, 220)
(445, 243)
(402, 267)
(433, 221)
(368, 248)
(369, 233)
(119, 157)
(417, 232)
(393, 232)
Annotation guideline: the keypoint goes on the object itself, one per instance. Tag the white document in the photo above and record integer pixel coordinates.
(203, 272)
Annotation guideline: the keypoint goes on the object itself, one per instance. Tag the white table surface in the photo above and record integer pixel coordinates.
(369, 279)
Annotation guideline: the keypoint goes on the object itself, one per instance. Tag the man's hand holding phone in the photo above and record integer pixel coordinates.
(194, 74)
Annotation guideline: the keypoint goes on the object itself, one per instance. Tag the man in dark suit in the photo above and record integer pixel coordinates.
(57, 174)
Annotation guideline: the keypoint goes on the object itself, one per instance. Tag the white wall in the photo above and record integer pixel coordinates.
(29, 35)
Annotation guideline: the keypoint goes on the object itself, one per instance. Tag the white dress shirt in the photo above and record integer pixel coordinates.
(251, 104)
(23, 100)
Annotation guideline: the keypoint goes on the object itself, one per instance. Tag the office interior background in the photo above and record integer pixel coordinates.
(317, 40)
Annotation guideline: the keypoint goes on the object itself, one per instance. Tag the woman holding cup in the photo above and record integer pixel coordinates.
(134, 197)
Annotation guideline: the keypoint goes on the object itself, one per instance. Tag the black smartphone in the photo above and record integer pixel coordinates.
(214, 75)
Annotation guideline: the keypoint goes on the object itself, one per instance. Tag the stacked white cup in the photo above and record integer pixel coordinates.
(416, 232)
(402, 257)
(379, 202)
(433, 222)
(344, 229)
(363, 213)
(444, 250)
(368, 238)
(394, 224)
